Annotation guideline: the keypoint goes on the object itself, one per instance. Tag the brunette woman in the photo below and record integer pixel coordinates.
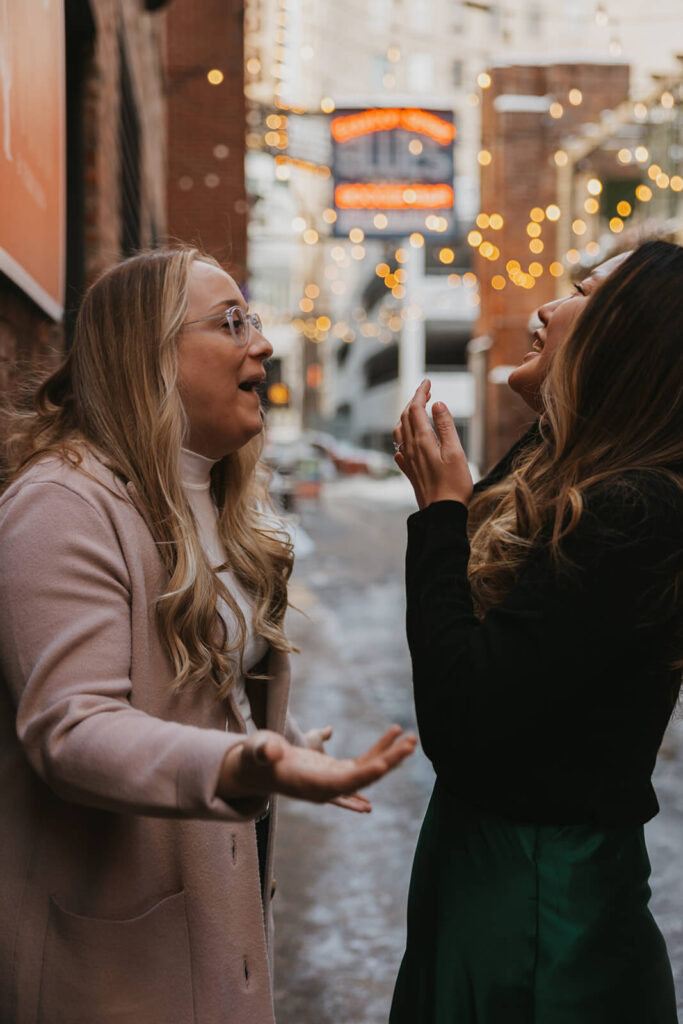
(143, 582)
(547, 658)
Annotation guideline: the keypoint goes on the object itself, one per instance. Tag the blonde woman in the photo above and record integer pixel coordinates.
(547, 652)
(144, 690)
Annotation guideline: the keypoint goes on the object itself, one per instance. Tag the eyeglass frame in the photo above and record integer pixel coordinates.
(250, 320)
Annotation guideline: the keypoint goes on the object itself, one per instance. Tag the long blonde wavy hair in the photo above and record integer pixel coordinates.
(613, 408)
(116, 394)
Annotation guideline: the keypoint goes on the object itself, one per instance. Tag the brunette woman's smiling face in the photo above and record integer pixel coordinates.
(557, 320)
(216, 376)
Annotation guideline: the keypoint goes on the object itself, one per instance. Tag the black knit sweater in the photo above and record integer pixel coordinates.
(552, 708)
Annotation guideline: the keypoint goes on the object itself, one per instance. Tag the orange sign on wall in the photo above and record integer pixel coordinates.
(32, 149)
(395, 196)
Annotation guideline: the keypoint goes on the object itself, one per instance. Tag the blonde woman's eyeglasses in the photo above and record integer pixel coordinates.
(236, 320)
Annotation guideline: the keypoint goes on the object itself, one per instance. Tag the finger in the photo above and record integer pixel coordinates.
(316, 738)
(403, 429)
(421, 396)
(354, 802)
(266, 748)
(445, 428)
(399, 751)
(382, 744)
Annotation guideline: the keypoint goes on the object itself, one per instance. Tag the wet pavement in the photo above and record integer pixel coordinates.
(343, 878)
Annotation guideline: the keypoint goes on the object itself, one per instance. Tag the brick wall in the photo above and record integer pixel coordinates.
(520, 176)
(207, 203)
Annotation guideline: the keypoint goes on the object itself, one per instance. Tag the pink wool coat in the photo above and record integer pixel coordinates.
(129, 892)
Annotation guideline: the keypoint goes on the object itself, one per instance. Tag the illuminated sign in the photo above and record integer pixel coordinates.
(393, 170)
(393, 197)
(385, 119)
(32, 149)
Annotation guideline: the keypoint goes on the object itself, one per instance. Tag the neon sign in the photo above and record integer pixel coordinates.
(392, 196)
(384, 119)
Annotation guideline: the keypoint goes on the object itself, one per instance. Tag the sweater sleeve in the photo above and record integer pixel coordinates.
(65, 649)
(524, 663)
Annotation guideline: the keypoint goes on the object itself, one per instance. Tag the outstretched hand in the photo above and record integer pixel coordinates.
(434, 462)
(266, 763)
(316, 740)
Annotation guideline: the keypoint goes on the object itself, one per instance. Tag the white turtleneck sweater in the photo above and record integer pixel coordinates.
(196, 479)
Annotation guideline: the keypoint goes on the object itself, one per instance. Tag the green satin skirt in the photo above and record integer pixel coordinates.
(530, 924)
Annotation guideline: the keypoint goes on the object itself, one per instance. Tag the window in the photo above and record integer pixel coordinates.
(421, 72)
(129, 157)
(421, 15)
(382, 367)
(533, 18)
(457, 73)
(445, 347)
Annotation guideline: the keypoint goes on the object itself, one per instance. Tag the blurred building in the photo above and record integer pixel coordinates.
(207, 203)
(82, 178)
(516, 236)
(360, 336)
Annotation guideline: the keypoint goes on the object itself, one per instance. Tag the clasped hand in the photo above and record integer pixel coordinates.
(432, 458)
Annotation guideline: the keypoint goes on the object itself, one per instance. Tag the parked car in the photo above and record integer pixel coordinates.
(349, 459)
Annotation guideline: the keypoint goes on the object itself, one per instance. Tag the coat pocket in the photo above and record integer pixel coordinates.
(117, 972)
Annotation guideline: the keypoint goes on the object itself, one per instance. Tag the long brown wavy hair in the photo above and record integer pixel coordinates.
(613, 408)
(116, 395)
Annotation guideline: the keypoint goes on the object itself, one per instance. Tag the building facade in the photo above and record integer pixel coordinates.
(361, 345)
